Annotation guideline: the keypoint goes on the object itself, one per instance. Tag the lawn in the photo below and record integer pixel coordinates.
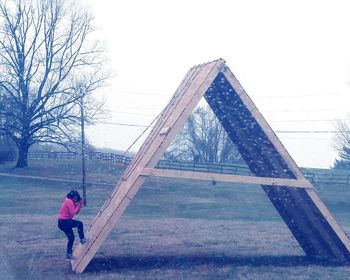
(173, 229)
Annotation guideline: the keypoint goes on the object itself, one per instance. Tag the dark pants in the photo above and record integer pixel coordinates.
(67, 227)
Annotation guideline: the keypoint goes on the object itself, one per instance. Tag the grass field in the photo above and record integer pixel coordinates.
(173, 229)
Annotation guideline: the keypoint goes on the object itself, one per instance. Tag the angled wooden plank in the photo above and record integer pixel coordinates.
(207, 176)
(307, 217)
(246, 100)
(173, 118)
(189, 83)
(102, 226)
(164, 116)
(180, 112)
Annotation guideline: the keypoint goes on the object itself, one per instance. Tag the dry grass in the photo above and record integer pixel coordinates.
(175, 249)
(172, 230)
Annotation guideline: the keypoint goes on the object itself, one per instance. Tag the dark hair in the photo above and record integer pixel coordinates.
(74, 195)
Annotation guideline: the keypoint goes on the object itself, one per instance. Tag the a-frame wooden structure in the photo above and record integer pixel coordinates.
(291, 194)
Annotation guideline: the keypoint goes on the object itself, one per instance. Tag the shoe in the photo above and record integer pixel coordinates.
(69, 257)
(83, 241)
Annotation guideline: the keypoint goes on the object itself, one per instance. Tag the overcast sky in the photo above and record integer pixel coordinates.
(291, 57)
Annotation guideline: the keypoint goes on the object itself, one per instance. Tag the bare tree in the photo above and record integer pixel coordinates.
(48, 64)
(342, 144)
(203, 139)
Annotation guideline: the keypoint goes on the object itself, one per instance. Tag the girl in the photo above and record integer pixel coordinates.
(70, 207)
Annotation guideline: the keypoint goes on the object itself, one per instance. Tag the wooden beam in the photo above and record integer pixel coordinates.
(278, 182)
(263, 123)
(169, 123)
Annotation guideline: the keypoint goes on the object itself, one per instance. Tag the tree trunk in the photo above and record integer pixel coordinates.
(22, 160)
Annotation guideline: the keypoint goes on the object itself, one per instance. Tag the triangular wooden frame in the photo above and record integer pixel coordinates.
(293, 196)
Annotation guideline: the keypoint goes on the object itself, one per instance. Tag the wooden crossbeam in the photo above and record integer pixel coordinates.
(206, 176)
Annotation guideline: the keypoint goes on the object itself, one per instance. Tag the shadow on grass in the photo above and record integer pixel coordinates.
(133, 262)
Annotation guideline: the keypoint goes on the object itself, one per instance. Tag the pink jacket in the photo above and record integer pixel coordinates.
(69, 209)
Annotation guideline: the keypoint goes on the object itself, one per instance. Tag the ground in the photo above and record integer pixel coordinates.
(172, 230)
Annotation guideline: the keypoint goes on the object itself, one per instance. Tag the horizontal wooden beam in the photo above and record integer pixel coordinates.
(278, 182)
